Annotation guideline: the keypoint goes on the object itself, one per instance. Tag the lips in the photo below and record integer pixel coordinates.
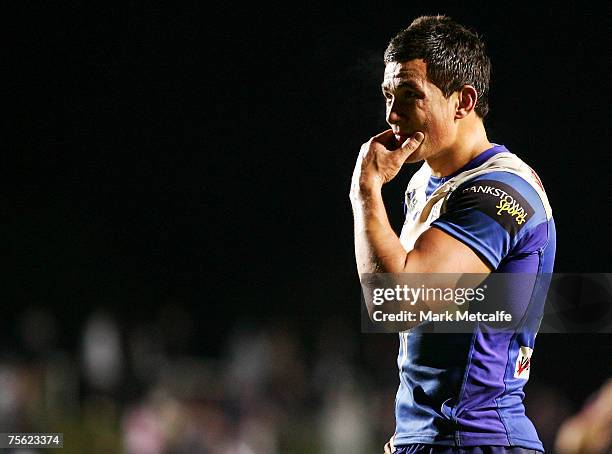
(401, 138)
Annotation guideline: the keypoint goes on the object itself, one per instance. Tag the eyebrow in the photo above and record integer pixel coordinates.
(405, 84)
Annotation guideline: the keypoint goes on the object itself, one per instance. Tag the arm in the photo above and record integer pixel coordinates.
(444, 259)
(377, 247)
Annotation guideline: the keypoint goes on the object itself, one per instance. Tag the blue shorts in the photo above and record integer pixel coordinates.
(439, 449)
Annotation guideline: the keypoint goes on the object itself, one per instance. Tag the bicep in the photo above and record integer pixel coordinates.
(436, 251)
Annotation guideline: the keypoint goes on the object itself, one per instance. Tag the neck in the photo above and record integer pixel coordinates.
(468, 145)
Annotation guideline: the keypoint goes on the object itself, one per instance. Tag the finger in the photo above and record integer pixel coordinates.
(383, 135)
(388, 448)
(412, 143)
(387, 138)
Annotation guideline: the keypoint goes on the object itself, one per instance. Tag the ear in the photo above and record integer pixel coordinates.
(466, 101)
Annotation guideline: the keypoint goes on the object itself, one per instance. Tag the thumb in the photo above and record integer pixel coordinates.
(411, 144)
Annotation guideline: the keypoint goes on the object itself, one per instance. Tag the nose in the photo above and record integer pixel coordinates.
(393, 115)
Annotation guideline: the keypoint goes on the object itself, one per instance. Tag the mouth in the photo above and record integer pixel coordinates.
(401, 137)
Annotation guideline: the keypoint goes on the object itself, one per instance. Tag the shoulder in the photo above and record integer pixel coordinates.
(504, 197)
(501, 184)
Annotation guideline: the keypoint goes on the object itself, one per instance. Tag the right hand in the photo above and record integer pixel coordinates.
(380, 160)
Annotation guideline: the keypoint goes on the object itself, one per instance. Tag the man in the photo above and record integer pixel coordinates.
(472, 207)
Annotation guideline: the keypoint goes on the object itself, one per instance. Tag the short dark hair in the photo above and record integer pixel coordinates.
(455, 55)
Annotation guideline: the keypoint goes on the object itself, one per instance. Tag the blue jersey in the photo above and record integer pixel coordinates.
(467, 389)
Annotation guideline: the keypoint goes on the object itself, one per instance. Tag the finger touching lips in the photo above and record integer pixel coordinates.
(401, 138)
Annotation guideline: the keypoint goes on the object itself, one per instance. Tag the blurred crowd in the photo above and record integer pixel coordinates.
(271, 388)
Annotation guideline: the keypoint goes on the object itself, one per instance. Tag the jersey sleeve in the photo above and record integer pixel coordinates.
(491, 214)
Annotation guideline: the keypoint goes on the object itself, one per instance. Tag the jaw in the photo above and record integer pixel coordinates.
(420, 153)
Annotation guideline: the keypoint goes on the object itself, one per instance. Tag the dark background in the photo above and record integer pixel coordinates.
(200, 156)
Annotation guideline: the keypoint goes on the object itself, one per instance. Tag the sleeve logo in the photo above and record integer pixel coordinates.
(496, 199)
(506, 204)
(523, 363)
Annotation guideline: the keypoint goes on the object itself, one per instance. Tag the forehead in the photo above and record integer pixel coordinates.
(414, 71)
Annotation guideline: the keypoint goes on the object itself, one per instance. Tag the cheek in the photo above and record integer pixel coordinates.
(434, 129)
(438, 125)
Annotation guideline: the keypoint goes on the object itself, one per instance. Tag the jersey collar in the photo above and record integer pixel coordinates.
(477, 161)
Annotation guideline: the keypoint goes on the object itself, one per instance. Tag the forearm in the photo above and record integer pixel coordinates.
(377, 247)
